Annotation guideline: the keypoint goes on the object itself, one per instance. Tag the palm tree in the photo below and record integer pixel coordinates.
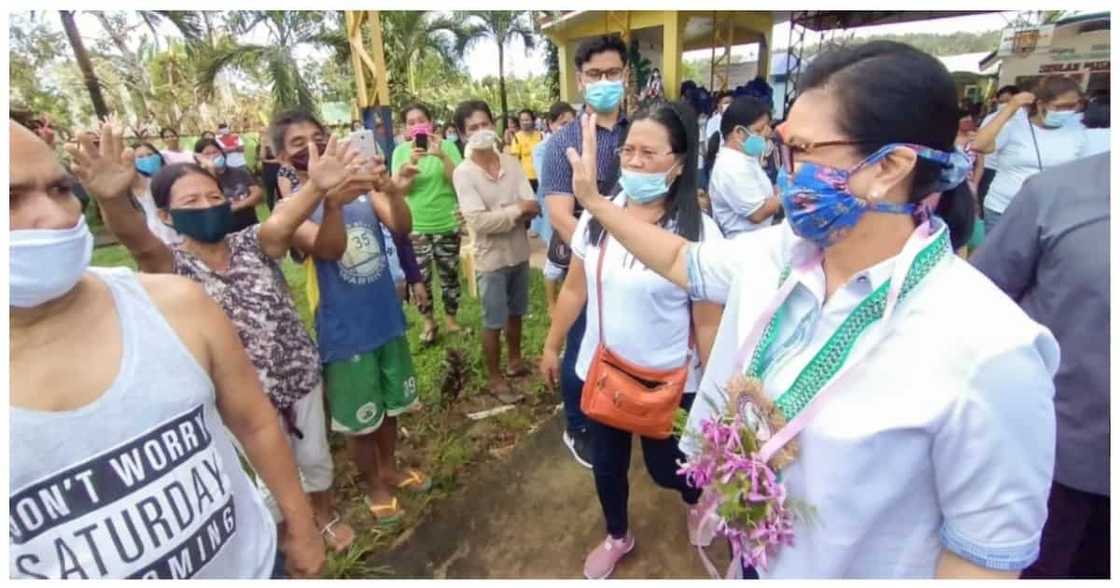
(84, 63)
(411, 36)
(286, 31)
(189, 23)
(503, 26)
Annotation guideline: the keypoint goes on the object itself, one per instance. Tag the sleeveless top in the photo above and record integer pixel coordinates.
(255, 296)
(144, 481)
(358, 306)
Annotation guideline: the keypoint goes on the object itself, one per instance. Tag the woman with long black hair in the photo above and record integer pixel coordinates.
(639, 315)
(919, 397)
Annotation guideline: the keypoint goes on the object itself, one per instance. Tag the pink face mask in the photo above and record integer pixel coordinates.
(421, 129)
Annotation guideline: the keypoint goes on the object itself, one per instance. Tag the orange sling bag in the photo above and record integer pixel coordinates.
(625, 396)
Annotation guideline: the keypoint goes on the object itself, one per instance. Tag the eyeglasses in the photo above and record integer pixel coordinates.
(614, 74)
(788, 150)
(627, 153)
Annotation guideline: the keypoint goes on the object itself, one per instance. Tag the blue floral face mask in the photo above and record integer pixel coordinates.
(821, 209)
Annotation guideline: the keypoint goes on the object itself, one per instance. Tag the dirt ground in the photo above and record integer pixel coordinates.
(535, 514)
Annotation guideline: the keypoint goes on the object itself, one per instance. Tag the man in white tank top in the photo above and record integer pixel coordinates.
(122, 388)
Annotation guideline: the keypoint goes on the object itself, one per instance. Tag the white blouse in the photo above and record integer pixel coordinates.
(647, 316)
(942, 438)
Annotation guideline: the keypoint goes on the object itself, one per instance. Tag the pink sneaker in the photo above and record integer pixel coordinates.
(601, 561)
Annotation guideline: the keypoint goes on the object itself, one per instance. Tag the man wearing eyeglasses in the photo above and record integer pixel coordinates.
(601, 63)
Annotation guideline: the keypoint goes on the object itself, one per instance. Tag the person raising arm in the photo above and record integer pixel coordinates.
(838, 304)
(133, 322)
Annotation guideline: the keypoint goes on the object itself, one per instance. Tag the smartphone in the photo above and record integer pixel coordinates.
(421, 142)
(363, 141)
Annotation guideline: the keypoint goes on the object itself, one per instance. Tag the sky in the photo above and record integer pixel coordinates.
(482, 59)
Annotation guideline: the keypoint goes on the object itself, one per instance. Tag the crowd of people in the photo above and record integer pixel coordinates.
(732, 269)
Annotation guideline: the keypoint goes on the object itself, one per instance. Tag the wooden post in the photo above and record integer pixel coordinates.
(671, 48)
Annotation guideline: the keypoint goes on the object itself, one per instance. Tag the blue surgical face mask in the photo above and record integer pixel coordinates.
(604, 95)
(644, 187)
(220, 162)
(755, 145)
(1058, 118)
(148, 165)
(208, 225)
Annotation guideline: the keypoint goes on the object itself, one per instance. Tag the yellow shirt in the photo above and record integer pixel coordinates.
(522, 148)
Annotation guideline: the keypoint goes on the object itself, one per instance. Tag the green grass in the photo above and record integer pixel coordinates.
(437, 439)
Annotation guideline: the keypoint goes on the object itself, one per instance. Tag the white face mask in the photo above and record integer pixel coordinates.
(47, 263)
(484, 139)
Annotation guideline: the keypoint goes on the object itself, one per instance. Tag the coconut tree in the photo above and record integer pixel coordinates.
(501, 26)
(412, 36)
(275, 59)
(85, 64)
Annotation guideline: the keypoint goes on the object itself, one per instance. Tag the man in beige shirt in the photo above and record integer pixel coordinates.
(497, 202)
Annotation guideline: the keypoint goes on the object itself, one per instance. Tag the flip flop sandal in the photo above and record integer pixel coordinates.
(332, 539)
(416, 482)
(518, 373)
(428, 338)
(393, 510)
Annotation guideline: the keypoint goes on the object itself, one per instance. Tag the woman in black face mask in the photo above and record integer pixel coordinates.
(240, 270)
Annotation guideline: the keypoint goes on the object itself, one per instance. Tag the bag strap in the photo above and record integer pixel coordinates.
(604, 238)
(1034, 139)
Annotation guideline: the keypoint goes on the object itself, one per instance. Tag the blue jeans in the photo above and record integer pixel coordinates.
(991, 217)
(611, 463)
(540, 223)
(278, 571)
(571, 387)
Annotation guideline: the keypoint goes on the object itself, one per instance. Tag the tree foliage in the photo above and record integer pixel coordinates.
(503, 27)
(934, 44)
(190, 70)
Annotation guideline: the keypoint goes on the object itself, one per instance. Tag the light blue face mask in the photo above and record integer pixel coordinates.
(754, 146)
(220, 162)
(604, 95)
(1058, 118)
(644, 187)
(148, 165)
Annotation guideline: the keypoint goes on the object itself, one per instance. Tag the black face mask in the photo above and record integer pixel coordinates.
(208, 225)
(303, 156)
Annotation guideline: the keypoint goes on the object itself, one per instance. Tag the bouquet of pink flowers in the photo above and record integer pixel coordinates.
(740, 490)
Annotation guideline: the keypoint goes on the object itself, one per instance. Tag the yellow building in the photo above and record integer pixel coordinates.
(663, 36)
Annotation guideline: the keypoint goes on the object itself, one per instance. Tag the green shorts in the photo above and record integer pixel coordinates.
(363, 390)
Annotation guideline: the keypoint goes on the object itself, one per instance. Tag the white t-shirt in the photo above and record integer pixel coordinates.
(739, 187)
(171, 157)
(712, 127)
(164, 233)
(942, 437)
(647, 316)
(991, 161)
(1096, 141)
(1018, 159)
